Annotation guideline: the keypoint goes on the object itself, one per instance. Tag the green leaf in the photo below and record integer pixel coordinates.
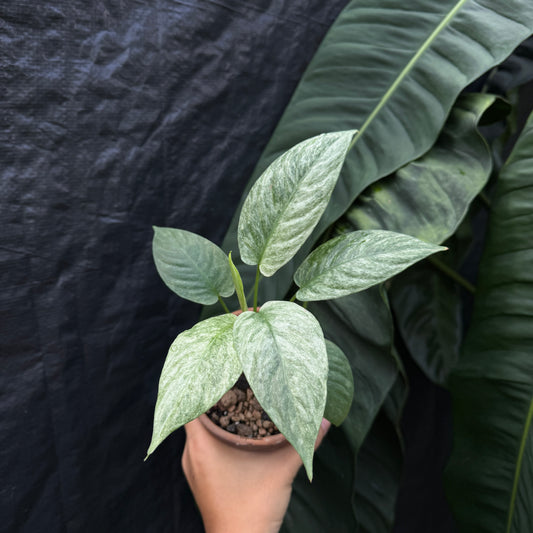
(288, 200)
(490, 475)
(429, 197)
(355, 261)
(427, 308)
(201, 366)
(283, 354)
(340, 385)
(237, 281)
(394, 70)
(361, 325)
(191, 266)
(325, 504)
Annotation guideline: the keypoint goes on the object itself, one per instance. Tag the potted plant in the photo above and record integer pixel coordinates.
(297, 375)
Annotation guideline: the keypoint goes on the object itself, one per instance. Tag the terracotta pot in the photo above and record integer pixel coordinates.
(264, 444)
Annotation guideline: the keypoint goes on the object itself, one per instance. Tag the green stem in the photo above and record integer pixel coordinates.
(451, 273)
(293, 298)
(237, 281)
(256, 287)
(484, 198)
(224, 306)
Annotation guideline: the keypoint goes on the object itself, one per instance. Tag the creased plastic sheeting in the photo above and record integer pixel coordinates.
(116, 115)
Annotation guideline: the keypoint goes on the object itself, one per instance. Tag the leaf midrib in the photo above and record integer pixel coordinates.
(407, 69)
(518, 469)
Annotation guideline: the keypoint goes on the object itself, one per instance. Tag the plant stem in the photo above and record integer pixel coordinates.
(484, 198)
(237, 281)
(450, 272)
(224, 306)
(256, 287)
(293, 298)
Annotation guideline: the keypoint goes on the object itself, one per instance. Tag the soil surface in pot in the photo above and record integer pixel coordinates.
(239, 412)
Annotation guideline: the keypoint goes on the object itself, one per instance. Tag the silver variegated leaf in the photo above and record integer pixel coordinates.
(201, 366)
(356, 261)
(191, 265)
(288, 199)
(283, 355)
(340, 385)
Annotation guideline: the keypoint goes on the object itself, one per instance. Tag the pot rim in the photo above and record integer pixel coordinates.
(267, 443)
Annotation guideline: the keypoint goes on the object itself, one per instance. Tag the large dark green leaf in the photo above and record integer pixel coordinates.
(428, 198)
(379, 461)
(490, 475)
(392, 69)
(427, 308)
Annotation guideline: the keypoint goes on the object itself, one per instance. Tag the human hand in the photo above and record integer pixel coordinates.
(239, 490)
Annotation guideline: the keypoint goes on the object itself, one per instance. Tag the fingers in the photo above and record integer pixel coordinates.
(324, 428)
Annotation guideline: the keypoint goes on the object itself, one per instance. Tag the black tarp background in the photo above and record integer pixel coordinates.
(116, 115)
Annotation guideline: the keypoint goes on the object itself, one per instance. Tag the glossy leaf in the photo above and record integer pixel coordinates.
(490, 475)
(362, 327)
(201, 366)
(393, 70)
(283, 355)
(427, 307)
(191, 266)
(288, 200)
(421, 200)
(355, 261)
(340, 385)
(429, 197)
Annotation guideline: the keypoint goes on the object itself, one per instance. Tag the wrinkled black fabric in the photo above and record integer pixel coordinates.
(116, 115)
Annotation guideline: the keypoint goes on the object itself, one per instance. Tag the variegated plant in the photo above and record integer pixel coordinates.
(297, 375)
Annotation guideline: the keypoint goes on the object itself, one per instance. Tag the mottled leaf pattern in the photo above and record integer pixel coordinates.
(420, 199)
(356, 261)
(287, 201)
(201, 366)
(283, 355)
(340, 385)
(191, 266)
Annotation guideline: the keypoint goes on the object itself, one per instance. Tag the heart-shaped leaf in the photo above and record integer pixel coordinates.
(201, 366)
(191, 266)
(287, 201)
(355, 261)
(340, 385)
(283, 355)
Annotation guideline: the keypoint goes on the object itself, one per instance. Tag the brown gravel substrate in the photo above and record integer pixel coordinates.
(239, 412)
